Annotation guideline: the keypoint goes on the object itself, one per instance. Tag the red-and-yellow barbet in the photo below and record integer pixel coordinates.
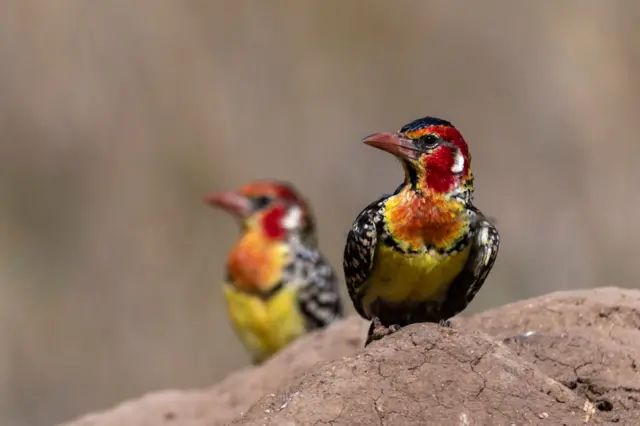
(278, 286)
(422, 253)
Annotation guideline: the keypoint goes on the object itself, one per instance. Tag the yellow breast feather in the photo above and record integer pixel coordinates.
(265, 326)
(398, 277)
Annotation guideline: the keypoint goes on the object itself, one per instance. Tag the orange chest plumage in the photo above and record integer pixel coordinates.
(256, 261)
(421, 221)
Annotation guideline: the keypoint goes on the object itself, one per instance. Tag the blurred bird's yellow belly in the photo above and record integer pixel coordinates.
(398, 277)
(264, 326)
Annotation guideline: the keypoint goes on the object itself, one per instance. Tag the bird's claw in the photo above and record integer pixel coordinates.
(445, 323)
(377, 331)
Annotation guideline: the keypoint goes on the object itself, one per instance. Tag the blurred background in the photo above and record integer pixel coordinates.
(117, 117)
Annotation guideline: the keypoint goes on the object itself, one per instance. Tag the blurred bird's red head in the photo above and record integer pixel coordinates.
(273, 205)
(432, 151)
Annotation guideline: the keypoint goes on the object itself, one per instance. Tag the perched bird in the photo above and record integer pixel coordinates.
(422, 253)
(278, 285)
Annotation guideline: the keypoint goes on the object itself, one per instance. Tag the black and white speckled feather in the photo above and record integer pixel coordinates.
(319, 294)
(485, 242)
(360, 250)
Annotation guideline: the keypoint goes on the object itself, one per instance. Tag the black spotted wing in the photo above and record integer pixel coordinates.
(319, 295)
(359, 251)
(485, 242)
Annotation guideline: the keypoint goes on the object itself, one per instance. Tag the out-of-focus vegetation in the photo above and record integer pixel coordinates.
(116, 117)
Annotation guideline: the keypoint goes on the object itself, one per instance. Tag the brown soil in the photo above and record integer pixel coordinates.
(582, 365)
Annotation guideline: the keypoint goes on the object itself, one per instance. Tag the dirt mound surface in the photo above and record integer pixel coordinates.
(234, 395)
(587, 340)
(576, 362)
(424, 375)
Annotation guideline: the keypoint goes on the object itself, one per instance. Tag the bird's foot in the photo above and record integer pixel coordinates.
(377, 331)
(445, 323)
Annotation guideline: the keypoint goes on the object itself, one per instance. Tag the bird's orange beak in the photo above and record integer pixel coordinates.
(394, 143)
(231, 202)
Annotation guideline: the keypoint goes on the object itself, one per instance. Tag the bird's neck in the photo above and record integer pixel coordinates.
(438, 182)
(256, 261)
(424, 218)
(435, 178)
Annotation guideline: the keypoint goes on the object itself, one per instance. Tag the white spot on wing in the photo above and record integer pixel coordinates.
(484, 235)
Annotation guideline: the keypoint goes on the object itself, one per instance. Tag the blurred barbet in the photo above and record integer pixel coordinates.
(279, 286)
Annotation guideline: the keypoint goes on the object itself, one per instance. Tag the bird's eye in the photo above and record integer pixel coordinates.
(429, 140)
(261, 202)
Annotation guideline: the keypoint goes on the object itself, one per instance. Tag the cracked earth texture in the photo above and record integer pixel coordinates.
(582, 366)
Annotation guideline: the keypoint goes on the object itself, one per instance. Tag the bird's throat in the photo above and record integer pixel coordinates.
(255, 263)
(435, 177)
(417, 220)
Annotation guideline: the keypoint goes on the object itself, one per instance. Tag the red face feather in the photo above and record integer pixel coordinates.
(439, 177)
(280, 197)
(452, 135)
(438, 164)
(278, 191)
(272, 222)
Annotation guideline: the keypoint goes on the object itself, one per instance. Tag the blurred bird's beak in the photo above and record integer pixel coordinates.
(394, 143)
(231, 202)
